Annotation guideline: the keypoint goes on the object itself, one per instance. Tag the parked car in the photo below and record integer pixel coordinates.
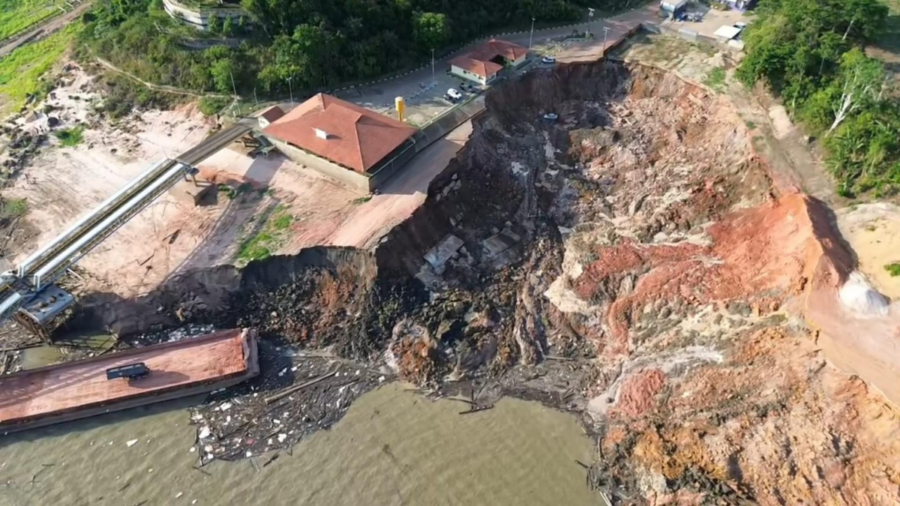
(548, 60)
(551, 116)
(454, 95)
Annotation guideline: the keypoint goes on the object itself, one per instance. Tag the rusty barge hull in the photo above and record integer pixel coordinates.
(74, 390)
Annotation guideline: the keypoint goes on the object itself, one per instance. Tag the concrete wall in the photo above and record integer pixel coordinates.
(694, 36)
(199, 18)
(340, 174)
(465, 74)
(392, 165)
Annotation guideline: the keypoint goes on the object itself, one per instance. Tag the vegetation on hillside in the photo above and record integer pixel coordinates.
(810, 52)
(316, 44)
(70, 137)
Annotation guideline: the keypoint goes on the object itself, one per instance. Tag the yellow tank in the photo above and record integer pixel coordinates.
(401, 107)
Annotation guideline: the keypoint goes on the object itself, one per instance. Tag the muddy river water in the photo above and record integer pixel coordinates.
(393, 447)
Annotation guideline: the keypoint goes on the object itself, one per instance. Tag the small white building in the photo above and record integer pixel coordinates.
(672, 6)
(726, 33)
(486, 62)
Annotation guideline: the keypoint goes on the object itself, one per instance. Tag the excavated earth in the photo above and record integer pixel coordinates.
(630, 262)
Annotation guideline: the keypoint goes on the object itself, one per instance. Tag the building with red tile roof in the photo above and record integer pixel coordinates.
(343, 133)
(484, 63)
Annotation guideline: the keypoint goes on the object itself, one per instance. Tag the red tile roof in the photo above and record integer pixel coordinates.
(478, 61)
(272, 114)
(357, 137)
(479, 67)
(494, 47)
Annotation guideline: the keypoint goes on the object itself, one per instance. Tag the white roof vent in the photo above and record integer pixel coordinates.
(322, 134)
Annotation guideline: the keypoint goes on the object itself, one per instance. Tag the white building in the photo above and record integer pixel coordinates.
(486, 62)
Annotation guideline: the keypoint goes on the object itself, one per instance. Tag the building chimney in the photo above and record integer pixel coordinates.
(322, 134)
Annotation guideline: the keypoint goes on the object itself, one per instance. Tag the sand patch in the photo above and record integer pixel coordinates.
(873, 231)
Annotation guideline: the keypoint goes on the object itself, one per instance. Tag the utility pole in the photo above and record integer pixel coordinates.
(234, 89)
(433, 80)
(605, 37)
(291, 88)
(531, 37)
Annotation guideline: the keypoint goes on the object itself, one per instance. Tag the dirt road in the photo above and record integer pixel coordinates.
(48, 28)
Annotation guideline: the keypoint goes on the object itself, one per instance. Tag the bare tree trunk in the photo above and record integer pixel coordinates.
(841, 113)
(847, 32)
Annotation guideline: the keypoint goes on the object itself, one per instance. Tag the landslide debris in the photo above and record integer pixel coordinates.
(629, 262)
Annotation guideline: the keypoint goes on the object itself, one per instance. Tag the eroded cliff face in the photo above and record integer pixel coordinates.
(641, 233)
(639, 239)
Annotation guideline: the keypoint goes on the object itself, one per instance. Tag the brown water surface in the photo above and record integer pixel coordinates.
(393, 447)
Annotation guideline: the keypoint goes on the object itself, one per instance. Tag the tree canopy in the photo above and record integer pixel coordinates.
(810, 52)
(317, 44)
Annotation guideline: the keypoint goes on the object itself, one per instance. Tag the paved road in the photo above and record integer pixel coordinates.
(380, 95)
(44, 30)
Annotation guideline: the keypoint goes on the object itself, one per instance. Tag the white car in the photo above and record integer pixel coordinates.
(454, 94)
(548, 59)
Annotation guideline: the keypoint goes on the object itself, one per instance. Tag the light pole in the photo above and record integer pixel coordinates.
(605, 36)
(291, 89)
(590, 19)
(433, 80)
(234, 89)
(531, 37)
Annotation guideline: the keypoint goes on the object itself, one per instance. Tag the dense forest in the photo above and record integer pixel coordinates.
(812, 53)
(317, 44)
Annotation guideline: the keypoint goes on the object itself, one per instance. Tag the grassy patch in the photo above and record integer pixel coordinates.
(282, 221)
(70, 137)
(716, 79)
(255, 248)
(21, 70)
(893, 269)
(750, 125)
(260, 246)
(13, 209)
(361, 200)
(233, 193)
(213, 105)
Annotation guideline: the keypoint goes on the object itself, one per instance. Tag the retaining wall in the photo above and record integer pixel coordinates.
(199, 17)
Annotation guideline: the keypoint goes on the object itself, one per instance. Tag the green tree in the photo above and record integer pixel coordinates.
(222, 72)
(227, 27)
(431, 30)
(214, 25)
